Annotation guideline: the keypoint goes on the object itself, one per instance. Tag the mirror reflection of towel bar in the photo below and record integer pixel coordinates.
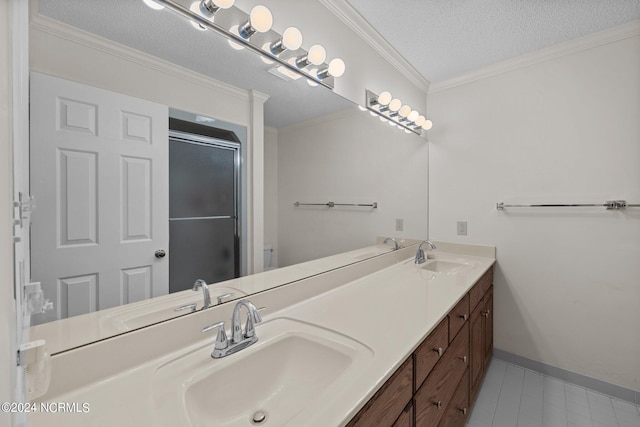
(609, 204)
(373, 205)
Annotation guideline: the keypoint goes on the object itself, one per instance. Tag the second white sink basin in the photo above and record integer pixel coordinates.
(292, 366)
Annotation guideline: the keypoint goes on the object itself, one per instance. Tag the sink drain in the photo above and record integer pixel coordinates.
(259, 417)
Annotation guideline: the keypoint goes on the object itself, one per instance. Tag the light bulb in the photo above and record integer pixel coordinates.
(383, 119)
(384, 98)
(153, 5)
(336, 67)
(261, 18)
(292, 38)
(312, 83)
(404, 111)
(317, 54)
(233, 44)
(428, 124)
(361, 108)
(413, 115)
(420, 120)
(224, 4)
(373, 114)
(391, 123)
(407, 131)
(395, 104)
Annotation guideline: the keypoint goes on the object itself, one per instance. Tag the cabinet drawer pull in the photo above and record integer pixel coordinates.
(463, 358)
(438, 404)
(463, 410)
(464, 316)
(439, 350)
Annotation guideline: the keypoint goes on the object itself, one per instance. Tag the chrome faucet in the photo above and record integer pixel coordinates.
(420, 258)
(223, 347)
(396, 247)
(205, 290)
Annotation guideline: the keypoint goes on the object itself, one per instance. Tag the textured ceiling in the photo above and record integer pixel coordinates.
(445, 38)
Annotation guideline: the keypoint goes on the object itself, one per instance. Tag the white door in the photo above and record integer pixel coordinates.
(99, 175)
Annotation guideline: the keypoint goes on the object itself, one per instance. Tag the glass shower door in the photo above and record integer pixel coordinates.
(203, 210)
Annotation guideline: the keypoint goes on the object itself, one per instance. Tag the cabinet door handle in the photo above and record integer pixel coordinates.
(438, 404)
(463, 358)
(464, 316)
(463, 410)
(439, 350)
(486, 313)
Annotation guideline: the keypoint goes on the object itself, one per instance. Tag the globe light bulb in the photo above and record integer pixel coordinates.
(224, 4)
(384, 98)
(336, 67)
(404, 111)
(292, 38)
(383, 119)
(420, 121)
(413, 115)
(395, 104)
(428, 124)
(317, 54)
(261, 18)
(361, 108)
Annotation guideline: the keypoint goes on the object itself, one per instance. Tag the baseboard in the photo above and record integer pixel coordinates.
(570, 377)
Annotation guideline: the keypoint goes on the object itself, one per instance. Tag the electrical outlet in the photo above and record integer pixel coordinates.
(399, 224)
(462, 228)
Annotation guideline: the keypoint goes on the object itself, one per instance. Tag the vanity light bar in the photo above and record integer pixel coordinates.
(392, 110)
(324, 74)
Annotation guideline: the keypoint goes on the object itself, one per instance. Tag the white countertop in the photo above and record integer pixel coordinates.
(389, 311)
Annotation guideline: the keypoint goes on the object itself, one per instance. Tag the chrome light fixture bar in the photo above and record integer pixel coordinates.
(390, 110)
(324, 78)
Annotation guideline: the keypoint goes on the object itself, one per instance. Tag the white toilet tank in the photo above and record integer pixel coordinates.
(268, 249)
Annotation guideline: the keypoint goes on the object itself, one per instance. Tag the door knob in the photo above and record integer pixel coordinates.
(160, 253)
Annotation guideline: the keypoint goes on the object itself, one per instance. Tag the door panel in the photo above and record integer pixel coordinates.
(99, 171)
(202, 249)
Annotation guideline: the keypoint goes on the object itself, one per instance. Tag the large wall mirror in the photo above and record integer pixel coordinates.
(318, 147)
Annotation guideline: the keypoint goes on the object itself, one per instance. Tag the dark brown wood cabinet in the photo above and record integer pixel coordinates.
(437, 385)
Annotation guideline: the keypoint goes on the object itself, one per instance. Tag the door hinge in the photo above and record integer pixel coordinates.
(22, 210)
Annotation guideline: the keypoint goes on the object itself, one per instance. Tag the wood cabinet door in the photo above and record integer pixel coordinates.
(476, 348)
(458, 409)
(406, 418)
(488, 326)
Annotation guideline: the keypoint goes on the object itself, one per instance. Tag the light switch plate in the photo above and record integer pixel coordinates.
(462, 228)
(399, 224)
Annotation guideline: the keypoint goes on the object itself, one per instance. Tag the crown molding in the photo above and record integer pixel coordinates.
(348, 15)
(75, 35)
(625, 31)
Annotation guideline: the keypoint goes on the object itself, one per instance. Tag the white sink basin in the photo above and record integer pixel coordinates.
(438, 266)
(292, 366)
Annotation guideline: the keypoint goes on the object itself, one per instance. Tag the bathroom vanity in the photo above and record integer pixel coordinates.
(383, 339)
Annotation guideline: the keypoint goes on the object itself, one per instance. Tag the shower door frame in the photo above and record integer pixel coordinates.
(236, 147)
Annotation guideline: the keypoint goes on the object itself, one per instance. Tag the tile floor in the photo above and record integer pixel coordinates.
(512, 396)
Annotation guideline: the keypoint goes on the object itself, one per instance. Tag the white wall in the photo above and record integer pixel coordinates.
(348, 157)
(271, 191)
(563, 130)
(7, 310)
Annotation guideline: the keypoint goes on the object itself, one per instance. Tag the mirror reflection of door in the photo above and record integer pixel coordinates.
(99, 175)
(204, 166)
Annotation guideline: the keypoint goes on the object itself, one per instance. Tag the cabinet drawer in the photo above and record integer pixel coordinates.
(458, 408)
(480, 288)
(458, 315)
(434, 395)
(387, 404)
(431, 350)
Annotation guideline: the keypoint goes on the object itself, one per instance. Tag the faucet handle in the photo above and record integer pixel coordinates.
(187, 307)
(221, 339)
(221, 297)
(253, 318)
